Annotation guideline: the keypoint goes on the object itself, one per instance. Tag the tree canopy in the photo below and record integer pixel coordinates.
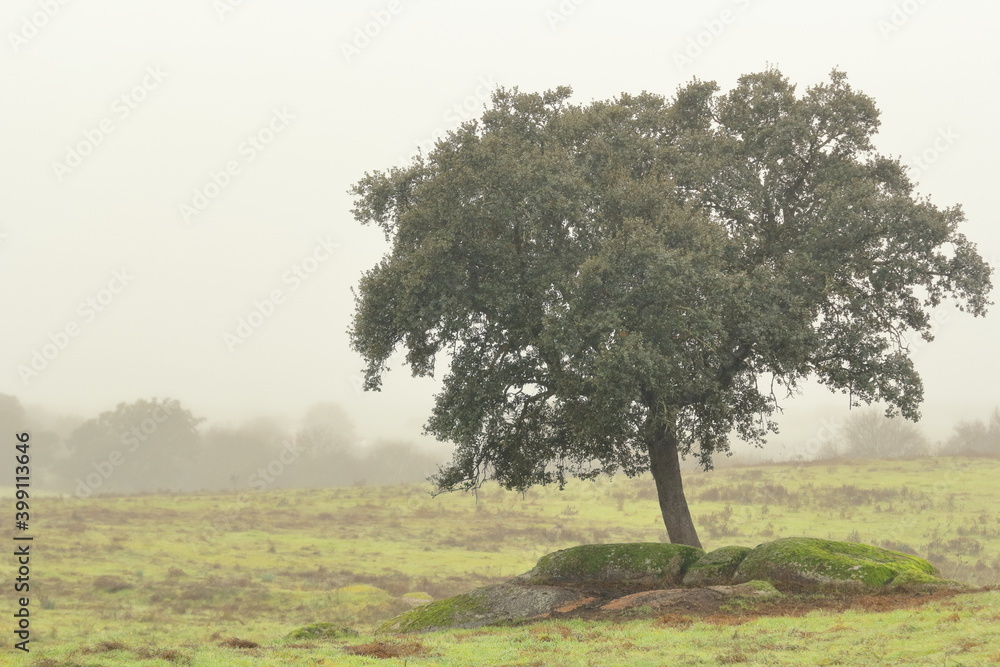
(625, 281)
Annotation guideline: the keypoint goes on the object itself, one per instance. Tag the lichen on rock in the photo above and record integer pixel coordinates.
(482, 606)
(630, 578)
(805, 563)
(716, 568)
(921, 582)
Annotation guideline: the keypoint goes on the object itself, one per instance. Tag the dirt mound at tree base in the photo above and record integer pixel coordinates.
(692, 599)
(600, 580)
(516, 603)
(699, 605)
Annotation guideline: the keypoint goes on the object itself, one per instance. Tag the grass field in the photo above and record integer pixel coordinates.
(167, 580)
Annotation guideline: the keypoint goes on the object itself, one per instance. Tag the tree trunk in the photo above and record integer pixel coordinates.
(664, 462)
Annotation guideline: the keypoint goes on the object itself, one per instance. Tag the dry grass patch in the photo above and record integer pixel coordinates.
(236, 642)
(168, 654)
(104, 647)
(386, 650)
(725, 619)
(674, 621)
(732, 658)
(546, 633)
(111, 584)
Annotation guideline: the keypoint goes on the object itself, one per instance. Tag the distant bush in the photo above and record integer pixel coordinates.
(975, 438)
(871, 435)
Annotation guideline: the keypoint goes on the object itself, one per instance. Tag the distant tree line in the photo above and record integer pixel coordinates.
(158, 445)
(869, 434)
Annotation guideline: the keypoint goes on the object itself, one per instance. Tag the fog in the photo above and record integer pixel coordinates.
(158, 445)
(176, 222)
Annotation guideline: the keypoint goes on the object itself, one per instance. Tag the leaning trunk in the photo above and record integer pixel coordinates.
(664, 462)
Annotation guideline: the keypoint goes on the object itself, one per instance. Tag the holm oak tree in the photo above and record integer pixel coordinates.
(622, 283)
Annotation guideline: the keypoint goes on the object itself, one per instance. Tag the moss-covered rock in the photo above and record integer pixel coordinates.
(483, 606)
(701, 600)
(804, 563)
(921, 582)
(315, 631)
(647, 577)
(638, 566)
(716, 568)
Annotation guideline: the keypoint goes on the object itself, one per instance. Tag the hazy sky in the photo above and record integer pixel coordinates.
(169, 167)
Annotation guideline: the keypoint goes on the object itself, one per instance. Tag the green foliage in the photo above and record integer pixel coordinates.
(602, 275)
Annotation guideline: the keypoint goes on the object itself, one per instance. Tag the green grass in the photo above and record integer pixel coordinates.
(960, 631)
(191, 571)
